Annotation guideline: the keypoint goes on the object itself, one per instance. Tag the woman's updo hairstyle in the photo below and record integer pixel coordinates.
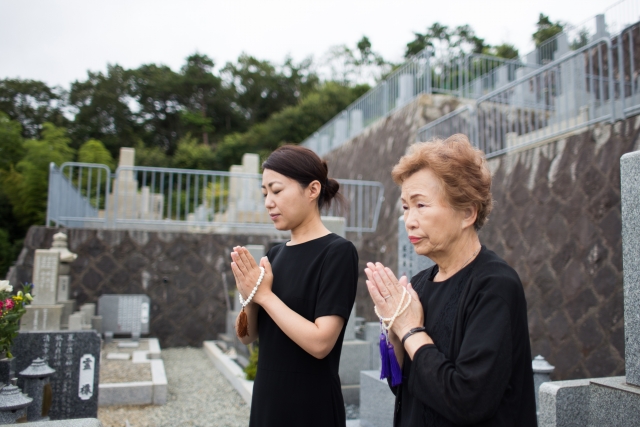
(304, 166)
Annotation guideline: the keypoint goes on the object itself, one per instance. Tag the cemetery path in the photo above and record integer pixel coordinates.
(198, 395)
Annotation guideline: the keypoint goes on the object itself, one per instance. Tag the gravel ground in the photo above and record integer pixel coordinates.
(198, 395)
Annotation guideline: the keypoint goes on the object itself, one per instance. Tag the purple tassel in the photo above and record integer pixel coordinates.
(385, 366)
(396, 372)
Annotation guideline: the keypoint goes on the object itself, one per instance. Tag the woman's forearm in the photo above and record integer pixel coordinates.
(252, 322)
(316, 338)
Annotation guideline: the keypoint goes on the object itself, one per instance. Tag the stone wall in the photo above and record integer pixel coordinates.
(556, 220)
(182, 273)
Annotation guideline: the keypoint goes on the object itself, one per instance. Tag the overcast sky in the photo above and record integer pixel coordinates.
(57, 41)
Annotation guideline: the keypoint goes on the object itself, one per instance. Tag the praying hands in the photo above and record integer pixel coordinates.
(390, 298)
(247, 272)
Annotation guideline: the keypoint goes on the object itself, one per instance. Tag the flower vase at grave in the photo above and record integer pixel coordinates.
(5, 368)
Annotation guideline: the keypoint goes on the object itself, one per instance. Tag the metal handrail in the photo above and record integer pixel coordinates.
(502, 103)
(182, 199)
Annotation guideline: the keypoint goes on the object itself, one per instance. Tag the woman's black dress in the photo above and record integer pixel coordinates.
(478, 372)
(293, 388)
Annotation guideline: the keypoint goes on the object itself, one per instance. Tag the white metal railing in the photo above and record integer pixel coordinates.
(81, 195)
(468, 76)
(596, 83)
(472, 76)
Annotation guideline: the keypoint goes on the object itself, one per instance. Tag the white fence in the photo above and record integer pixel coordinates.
(81, 195)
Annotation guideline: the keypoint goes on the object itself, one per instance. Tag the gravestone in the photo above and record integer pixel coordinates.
(45, 277)
(124, 314)
(75, 355)
(409, 262)
(630, 200)
(612, 401)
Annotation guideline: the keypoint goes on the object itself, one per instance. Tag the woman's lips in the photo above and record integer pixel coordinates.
(414, 239)
(274, 216)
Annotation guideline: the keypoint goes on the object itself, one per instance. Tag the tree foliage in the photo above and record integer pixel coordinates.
(546, 29)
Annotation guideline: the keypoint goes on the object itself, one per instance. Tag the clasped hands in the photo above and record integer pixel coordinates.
(246, 272)
(386, 292)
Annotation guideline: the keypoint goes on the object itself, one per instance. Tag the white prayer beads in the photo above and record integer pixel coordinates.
(253, 292)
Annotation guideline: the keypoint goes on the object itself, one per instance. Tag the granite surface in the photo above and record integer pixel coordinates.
(376, 401)
(66, 352)
(613, 403)
(84, 422)
(630, 195)
(564, 404)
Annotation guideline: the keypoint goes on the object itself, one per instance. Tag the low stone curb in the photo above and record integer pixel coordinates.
(231, 371)
(140, 392)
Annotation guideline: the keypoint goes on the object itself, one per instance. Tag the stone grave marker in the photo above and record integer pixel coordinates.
(45, 277)
(75, 355)
(124, 314)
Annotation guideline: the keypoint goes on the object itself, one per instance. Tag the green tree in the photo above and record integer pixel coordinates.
(546, 29)
(103, 109)
(157, 90)
(93, 151)
(581, 40)
(291, 125)
(446, 41)
(192, 155)
(262, 88)
(31, 103)
(11, 143)
(151, 156)
(27, 185)
(361, 65)
(505, 50)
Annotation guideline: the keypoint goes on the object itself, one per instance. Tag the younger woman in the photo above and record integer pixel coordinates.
(302, 305)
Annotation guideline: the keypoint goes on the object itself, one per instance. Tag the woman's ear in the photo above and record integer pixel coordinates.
(470, 216)
(314, 188)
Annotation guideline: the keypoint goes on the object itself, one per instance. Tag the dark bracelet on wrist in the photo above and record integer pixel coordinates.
(413, 331)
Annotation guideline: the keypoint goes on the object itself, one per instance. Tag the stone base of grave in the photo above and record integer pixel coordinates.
(80, 422)
(355, 357)
(596, 402)
(68, 308)
(376, 400)
(145, 356)
(41, 318)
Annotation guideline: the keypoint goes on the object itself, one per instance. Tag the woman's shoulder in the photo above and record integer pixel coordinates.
(492, 273)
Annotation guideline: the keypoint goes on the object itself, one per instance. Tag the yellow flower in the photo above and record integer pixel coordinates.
(17, 298)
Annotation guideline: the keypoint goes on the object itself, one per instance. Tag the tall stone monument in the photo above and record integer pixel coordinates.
(44, 314)
(614, 401)
(64, 279)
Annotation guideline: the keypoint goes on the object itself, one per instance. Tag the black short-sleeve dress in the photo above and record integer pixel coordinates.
(292, 388)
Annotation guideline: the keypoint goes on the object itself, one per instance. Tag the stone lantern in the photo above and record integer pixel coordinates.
(36, 385)
(13, 403)
(541, 371)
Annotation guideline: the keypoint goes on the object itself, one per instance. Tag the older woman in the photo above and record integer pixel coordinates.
(463, 340)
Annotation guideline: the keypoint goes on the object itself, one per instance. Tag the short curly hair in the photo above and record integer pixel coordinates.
(461, 169)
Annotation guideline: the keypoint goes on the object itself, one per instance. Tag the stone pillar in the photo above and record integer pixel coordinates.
(44, 314)
(356, 123)
(405, 92)
(630, 200)
(340, 133)
(60, 244)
